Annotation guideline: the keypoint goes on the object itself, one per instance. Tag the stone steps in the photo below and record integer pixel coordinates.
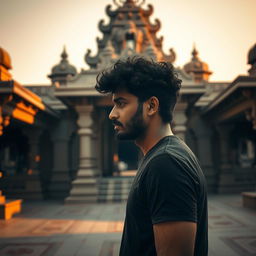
(114, 189)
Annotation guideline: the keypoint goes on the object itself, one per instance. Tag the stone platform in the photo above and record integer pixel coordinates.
(55, 229)
(249, 200)
(9, 207)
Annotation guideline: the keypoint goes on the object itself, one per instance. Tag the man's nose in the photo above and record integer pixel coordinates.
(113, 114)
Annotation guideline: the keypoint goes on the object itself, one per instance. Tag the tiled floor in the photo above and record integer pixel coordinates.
(54, 229)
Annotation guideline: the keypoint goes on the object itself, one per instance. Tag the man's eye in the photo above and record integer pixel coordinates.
(120, 104)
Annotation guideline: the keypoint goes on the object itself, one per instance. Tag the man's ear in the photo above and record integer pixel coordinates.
(152, 105)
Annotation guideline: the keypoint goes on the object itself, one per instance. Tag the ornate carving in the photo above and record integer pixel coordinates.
(148, 12)
(104, 28)
(171, 57)
(155, 27)
(107, 56)
(101, 42)
(91, 61)
(109, 12)
(128, 2)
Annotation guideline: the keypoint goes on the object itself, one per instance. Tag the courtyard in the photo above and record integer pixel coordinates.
(51, 228)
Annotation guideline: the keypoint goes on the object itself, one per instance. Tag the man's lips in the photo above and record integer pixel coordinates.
(117, 127)
(117, 124)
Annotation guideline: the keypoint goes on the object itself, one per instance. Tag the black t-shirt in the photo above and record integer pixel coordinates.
(169, 186)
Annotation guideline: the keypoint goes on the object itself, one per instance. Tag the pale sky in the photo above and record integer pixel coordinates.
(34, 32)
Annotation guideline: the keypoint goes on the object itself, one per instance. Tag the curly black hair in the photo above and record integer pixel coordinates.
(144, 79)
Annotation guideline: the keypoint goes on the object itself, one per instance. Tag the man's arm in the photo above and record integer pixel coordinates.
(176, 238)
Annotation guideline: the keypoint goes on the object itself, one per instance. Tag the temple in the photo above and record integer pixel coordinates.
(56, 141)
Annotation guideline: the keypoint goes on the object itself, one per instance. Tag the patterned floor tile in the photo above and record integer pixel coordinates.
(53, 227)
(74, 212)
(224, 222)
(244, 245)
(28, 249)
(110, 248)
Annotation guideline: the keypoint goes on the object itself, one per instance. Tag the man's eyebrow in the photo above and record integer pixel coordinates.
(119, 99)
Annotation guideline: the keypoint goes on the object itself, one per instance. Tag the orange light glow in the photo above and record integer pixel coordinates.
(24, 113)
(37, 158)
(30, 172)
(52, 227)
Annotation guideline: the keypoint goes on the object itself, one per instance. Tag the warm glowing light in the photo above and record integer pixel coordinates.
(37, 158)
(30, 172)
(52, 227)
(24, 113)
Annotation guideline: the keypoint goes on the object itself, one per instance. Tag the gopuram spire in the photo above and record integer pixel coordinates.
(130, 32)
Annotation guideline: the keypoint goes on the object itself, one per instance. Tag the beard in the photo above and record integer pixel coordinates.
(135, 128)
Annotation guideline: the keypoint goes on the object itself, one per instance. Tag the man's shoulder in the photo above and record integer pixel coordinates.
(172, 154)
(172, 148)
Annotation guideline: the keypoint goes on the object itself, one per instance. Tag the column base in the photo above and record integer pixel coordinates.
(84, 188)
(60, 185)
(33, 188)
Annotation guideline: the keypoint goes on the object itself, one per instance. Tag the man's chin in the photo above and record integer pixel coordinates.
(125, 136)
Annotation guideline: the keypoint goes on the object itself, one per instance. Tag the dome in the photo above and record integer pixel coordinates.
(252, 60)
(252, 55)
(198, 68)
(63, 68)
(5, 59)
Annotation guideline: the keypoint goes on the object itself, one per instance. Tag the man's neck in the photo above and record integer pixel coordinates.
(152, 137)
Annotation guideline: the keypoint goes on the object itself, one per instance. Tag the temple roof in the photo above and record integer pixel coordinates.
(128, 32)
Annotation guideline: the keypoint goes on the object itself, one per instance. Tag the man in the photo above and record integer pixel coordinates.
(166, 211)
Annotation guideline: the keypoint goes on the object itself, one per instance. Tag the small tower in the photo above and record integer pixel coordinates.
(252, 60)
(197, 68)
(63, 71)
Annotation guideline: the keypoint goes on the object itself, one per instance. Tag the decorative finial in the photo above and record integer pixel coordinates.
(121, 3)
(194, 52)
(64, 54)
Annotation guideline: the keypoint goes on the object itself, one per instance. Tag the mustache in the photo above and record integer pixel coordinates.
(115, 122)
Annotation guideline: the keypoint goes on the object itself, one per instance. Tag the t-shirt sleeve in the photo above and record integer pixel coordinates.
(170, 191)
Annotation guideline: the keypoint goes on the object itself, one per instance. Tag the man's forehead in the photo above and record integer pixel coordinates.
(122, 94)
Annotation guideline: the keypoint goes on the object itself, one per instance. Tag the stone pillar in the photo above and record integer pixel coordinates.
(204, 136)
(84, 187)
(180, 120)
(60, 178)
(33, 183)
(96, 150)
(226, 177)
(224, 133)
